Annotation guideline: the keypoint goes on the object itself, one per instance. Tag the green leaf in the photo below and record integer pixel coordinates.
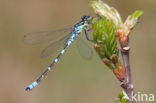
(122, 99)
(136, 15)
(106, 26)
(106, 11)
(132, 20)
(105, 37)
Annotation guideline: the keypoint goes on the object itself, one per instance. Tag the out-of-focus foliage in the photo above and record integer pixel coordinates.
(122, 98)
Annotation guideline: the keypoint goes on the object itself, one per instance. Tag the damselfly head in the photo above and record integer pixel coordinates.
(86, 18)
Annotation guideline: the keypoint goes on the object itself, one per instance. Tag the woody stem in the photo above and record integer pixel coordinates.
(127, 84)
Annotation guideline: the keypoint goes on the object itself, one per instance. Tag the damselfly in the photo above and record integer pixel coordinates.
(75, 31)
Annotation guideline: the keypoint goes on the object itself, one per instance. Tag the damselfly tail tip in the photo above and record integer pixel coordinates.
(27, 89)
(31, 86)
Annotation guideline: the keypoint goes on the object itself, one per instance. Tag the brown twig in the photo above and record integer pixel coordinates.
(126, 84)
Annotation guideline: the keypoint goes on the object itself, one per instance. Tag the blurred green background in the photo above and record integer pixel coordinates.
(73, 79)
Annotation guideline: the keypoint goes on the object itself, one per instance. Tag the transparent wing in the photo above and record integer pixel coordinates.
(55, 46)
(83, 48)
(44, 36)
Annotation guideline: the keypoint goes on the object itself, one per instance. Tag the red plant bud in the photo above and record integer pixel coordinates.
(107, 62)
(115, 72)
(120, 72)
(115, 58)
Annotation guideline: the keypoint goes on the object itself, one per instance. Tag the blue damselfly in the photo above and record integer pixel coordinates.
(32, 38)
